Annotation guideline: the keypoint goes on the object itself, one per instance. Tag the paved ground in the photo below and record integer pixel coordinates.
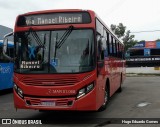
(143, 70)
(139, 99)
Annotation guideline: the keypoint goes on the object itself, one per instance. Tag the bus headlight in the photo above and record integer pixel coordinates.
(15, 87)
(85, 90)
(81, 93)
(18, 90)
(89, 87)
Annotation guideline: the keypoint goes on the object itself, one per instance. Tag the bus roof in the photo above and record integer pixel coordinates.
(56, 10)
(71, 10)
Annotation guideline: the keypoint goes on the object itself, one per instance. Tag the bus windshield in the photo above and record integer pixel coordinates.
(35, 53)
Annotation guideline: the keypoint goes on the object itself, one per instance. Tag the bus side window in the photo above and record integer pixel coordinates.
(118, 50)
(101, 47)
(121, 53)
(106, 52)
(114, 48)
(110, 44)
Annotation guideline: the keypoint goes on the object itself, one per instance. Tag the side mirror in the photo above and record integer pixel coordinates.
(5, 45)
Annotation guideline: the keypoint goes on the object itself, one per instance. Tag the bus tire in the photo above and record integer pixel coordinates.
(106, 98)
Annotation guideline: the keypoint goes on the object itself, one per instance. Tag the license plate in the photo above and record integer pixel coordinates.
(48, 103)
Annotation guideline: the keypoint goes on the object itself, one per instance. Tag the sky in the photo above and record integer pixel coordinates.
(136, 15)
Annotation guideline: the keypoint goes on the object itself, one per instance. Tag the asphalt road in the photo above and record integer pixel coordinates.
(139, 99)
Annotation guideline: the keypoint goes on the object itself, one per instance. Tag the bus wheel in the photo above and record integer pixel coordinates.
(106, 99)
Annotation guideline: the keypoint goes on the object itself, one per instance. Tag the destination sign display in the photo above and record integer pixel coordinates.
(53, 18)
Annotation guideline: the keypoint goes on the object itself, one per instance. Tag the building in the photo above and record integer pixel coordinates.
(145, 53)
(5, 30)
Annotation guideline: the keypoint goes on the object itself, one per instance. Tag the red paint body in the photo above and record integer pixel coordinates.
(64, 94)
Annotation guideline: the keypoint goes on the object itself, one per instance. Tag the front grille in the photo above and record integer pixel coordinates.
(63, 102)
(35, 102)
(52, 81)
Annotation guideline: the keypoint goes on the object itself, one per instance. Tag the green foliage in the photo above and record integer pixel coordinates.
(118, 30)
(142, 41)
(158, 39)
(124, 34)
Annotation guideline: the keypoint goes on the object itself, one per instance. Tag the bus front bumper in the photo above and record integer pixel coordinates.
(85, 103)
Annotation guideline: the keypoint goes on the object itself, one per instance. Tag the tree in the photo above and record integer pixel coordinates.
(124, 35)
(142, 41)
(157, 39)
(118, 30)
(128, 40)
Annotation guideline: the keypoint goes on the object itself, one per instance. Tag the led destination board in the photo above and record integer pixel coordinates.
(53, 18)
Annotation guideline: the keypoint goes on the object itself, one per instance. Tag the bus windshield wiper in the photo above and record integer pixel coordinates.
(36, 37)
(62, 40)
(64, 37)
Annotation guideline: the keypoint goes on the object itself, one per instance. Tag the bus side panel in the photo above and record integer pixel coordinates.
(6, 75)
(111, 71)
(123, 70)
(119, 73)
(100, 90)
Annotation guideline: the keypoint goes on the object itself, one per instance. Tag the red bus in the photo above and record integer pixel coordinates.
(65, 60)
